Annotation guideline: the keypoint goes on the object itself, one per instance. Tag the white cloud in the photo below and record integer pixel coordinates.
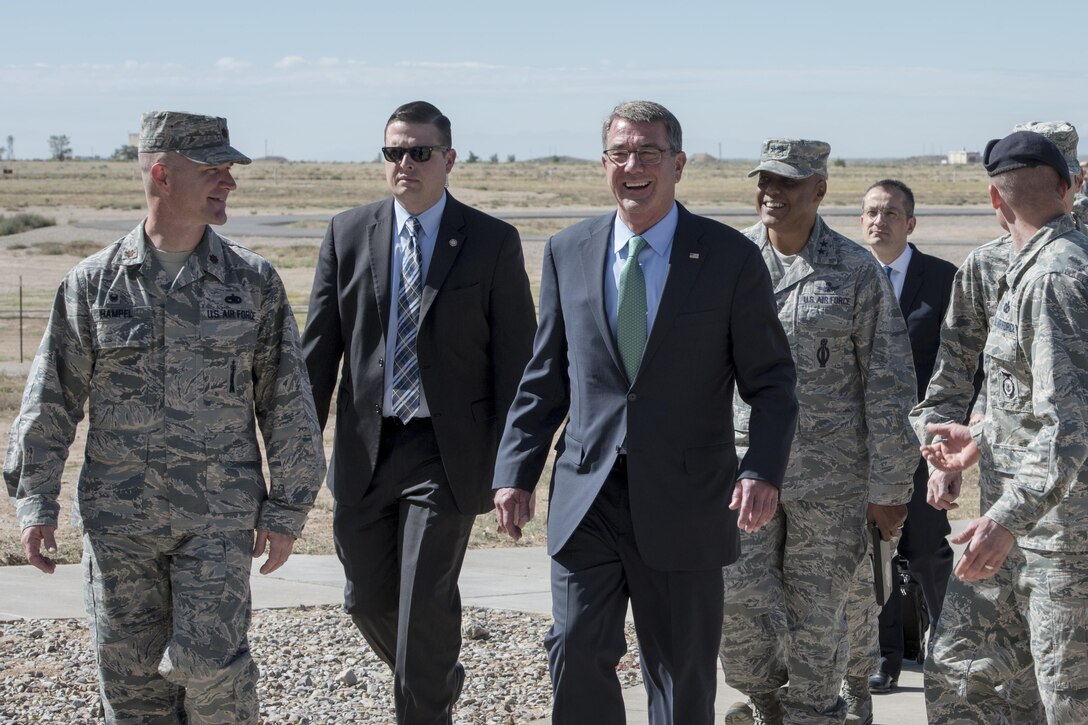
(289, 61)
(232, 64)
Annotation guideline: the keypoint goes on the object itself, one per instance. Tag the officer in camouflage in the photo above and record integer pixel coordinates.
(923, 285)
(976, 289)
(785, 597)
(1030, 448)
(180, 343)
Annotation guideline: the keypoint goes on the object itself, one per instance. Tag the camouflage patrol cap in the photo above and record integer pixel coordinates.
(793, 158)
(203, 139)
(1062, 134)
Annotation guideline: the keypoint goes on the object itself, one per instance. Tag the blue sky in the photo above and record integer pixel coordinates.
(317, 80)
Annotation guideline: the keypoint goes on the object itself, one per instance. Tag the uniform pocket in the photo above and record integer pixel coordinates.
(1060, 641)
(123, 327)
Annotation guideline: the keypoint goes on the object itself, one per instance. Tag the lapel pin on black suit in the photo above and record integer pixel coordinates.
(453, 242)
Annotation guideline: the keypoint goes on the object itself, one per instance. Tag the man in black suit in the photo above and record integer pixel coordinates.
(649, 318)
(923, 286)
(427, 303)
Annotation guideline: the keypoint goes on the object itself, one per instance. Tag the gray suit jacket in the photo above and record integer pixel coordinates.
(716, 327)
(476, 329)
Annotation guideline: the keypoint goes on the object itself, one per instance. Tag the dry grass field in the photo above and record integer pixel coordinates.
(94, 201)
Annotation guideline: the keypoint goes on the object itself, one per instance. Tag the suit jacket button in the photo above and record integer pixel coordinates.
(381, 362)
(378, 409)
(632, 397)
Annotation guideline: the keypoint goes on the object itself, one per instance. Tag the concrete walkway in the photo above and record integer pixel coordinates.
(512, 579)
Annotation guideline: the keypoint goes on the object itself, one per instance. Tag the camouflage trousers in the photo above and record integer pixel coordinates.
(998, 638)
(863, 618)
(785, 606)
(169, 617)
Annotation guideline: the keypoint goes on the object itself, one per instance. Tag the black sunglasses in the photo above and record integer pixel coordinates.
(419, 154)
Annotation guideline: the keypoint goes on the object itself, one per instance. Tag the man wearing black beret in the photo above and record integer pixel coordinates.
(1031, 441)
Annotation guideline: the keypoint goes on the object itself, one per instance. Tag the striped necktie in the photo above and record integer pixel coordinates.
(405, 397)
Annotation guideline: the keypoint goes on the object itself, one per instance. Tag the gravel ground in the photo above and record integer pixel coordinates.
(315, 668)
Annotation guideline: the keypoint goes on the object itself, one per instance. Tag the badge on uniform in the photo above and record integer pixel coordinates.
(823, 354)
(1008, 386)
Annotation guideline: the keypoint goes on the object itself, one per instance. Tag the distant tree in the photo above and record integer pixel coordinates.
(510, 158)
(60, 147)
(472, 158)
(839, 163)
(1, 154)
(127, 152)
(11, 148)
(493, 159)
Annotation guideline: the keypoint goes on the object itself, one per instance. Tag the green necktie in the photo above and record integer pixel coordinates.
(631, 313)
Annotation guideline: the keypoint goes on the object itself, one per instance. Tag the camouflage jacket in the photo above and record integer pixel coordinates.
(855, 372)
(174, 378)
(978, 284)
(1080, 209)
(1035, 435)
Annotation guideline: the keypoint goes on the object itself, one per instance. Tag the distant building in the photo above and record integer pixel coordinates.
(134, 139)
(964, 157)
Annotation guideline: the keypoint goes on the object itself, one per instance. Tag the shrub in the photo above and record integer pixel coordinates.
(22, 223)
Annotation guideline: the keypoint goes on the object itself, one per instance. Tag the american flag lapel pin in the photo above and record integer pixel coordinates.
(693, 255)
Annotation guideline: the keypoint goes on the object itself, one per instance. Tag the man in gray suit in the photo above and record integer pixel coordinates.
(649, 319)
(427, 303)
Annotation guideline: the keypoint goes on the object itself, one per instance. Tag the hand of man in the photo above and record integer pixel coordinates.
(956, 451)
(888, 518)
(33, 537)
(757, 501)
(279, 548)
(943, 489)
(988, 543)
(514, 507)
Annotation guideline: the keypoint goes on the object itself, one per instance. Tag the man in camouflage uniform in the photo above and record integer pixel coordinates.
(984, 605)
(785, 597)
(177, 340)
(1030, 446)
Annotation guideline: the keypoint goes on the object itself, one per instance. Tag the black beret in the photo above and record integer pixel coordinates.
(1021, 150)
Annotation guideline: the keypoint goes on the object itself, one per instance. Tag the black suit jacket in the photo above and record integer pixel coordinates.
(927, 289)
(716, 327)
(476, 328)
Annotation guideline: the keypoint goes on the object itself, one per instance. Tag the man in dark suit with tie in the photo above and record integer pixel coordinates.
(649, 319)
(427, 303)
(923, 285)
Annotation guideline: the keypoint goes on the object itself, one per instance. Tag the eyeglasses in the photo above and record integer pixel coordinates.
(419, 154)
(648, 155)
